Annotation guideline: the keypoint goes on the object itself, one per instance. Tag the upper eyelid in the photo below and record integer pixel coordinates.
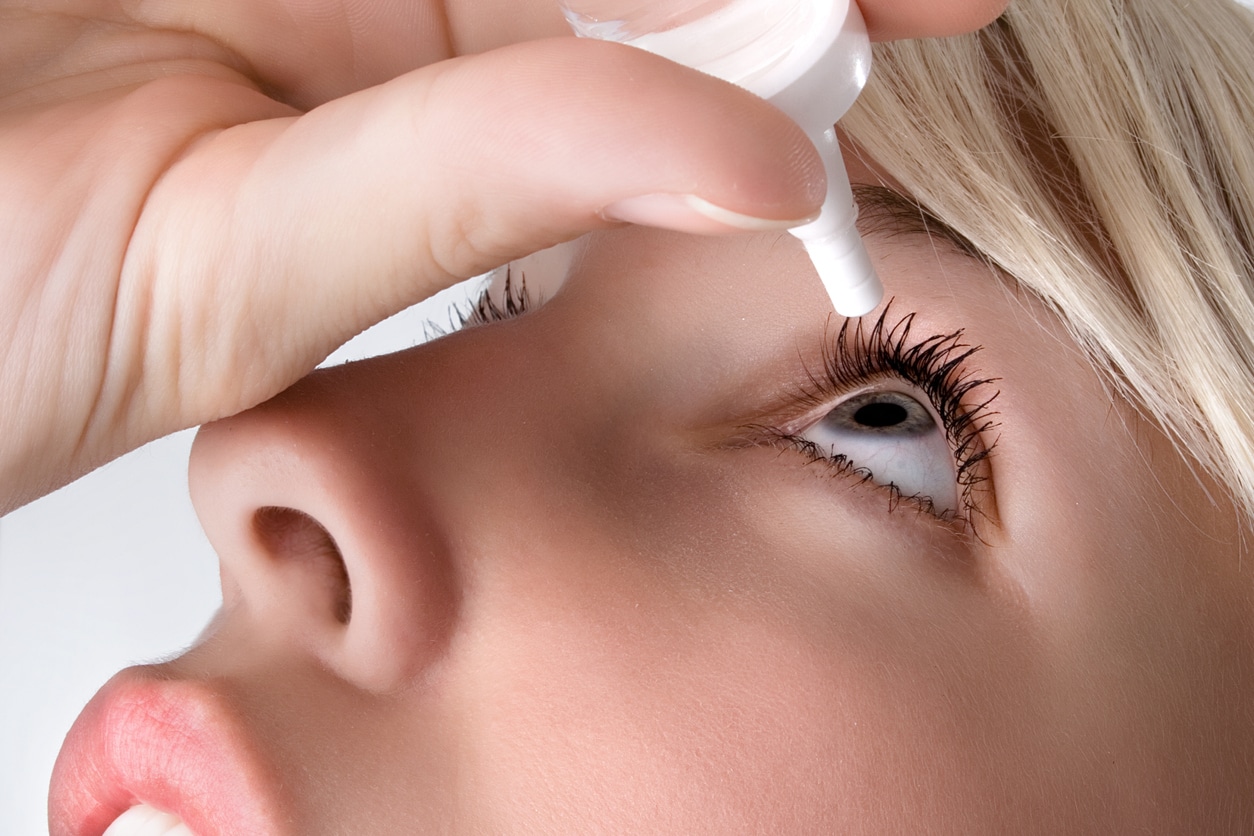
(821, 405)
(800, 407)
(808, 383)
(886, 350)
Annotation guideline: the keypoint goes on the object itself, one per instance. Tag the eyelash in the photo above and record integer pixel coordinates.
(483, 310)
(516, 300)
(937, 366)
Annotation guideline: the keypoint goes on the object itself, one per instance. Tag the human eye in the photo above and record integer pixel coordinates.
(894, 436)
(904, 413)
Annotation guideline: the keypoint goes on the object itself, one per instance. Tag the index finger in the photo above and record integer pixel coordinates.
(307, 52)
(480, 25)
(890, 20)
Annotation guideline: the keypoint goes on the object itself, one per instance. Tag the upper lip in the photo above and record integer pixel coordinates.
(175, 745)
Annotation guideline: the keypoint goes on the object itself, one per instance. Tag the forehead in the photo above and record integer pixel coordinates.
(773, 269)
(763, 288)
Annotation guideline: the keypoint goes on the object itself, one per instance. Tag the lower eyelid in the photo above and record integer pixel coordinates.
(797, 452)
(974, 503)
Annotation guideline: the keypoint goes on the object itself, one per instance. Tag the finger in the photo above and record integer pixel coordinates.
(307, 52)
(269, 244)
(889, 20)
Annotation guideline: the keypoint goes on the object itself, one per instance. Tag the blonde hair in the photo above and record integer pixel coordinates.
(1099, 152)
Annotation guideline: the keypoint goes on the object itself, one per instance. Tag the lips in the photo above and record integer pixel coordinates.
(174, 745)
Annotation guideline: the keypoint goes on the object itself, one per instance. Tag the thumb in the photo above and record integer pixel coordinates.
(284, 238)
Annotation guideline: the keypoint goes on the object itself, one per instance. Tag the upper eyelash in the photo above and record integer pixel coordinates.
(516, 301)
(937, 366)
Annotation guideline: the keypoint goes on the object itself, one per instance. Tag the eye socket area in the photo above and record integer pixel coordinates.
(894, 436)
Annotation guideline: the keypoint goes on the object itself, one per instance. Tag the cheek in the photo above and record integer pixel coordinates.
(746, 677)
(1097, 502)
(1129, 573)
(671, 678)
(662, 722)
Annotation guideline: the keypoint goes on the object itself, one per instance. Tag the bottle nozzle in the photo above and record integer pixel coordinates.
(811, 58)
(846, 271)
(833, 242)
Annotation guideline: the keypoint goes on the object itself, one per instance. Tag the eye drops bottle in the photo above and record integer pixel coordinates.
(811, 58)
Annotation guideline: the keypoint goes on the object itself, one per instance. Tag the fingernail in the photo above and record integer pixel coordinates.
(689, 213)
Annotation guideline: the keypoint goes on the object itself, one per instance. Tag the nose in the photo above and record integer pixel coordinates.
(323, 528)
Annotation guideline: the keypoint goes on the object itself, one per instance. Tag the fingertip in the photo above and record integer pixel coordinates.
(692, 214)
(890, 20)
(601, 122)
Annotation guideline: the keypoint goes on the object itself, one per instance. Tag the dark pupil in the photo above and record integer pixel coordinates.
(881, 414)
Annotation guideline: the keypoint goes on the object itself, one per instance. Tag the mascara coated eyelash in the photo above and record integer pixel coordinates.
(937, 366)
(483, 309)
(515, 301)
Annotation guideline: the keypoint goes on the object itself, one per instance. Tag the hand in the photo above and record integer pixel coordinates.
(201, 200)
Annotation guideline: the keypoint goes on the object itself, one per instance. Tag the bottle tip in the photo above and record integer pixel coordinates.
(845, 268)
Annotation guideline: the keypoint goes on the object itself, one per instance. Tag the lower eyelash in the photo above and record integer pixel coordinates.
(842, 465)
(937, 365)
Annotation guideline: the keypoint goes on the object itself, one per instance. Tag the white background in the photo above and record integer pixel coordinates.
(108, 572)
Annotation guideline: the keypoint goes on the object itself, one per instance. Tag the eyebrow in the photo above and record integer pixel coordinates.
(889, 212)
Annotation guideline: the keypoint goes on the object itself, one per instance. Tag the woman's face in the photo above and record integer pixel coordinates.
(591, 570)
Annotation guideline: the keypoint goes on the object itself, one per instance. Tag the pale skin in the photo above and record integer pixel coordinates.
(184, 181)
(579, 600)
(580, 605)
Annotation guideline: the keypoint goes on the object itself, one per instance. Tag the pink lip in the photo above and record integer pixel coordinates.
(175, 745)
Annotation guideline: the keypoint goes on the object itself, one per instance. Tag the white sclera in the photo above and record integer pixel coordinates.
(897, 439)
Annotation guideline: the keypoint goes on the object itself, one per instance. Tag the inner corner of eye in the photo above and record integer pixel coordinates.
(896, 439)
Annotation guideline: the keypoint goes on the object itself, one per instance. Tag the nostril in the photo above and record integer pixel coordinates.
(293, 536)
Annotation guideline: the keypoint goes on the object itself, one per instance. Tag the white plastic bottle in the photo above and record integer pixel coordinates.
(811, 58)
